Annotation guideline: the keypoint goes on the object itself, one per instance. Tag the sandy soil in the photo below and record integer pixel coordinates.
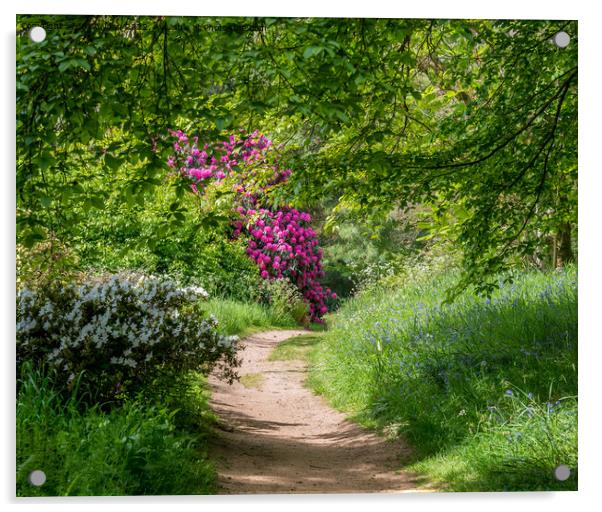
(276, 436)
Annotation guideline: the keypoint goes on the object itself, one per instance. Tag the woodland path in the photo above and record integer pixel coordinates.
(276, 436)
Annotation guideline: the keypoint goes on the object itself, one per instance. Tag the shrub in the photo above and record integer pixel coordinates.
(224, 269)
(285, 300)
(280, 241)
(121, 331)
(285, 247)
(45, 262)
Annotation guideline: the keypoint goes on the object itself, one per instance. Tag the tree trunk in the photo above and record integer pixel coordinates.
(564, 250)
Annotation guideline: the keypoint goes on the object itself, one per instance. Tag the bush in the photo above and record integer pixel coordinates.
(122, 331)
(44, 263)
(285, 301)
(225, 270)
(280, 240)
(131, 450)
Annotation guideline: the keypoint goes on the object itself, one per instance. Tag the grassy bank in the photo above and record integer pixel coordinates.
(485, 389)
(134, 449)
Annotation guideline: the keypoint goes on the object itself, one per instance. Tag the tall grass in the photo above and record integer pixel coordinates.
(131, 450)
(485, 389)
(243, 318)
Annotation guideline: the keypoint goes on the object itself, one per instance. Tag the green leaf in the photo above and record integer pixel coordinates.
(222, 123)
(310, 51)
(65, 65)
(161, 230)
(97, 202)
(83, 63)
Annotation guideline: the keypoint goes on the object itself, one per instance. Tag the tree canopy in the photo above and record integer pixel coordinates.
(477, 119)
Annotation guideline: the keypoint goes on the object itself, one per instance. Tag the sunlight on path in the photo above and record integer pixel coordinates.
(280, 438)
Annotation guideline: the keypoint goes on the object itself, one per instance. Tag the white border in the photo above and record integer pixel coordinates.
(590, 253)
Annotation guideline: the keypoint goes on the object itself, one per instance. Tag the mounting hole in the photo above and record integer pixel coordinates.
(37, 34)
(562, 473)
(561, 39)
(37, 477)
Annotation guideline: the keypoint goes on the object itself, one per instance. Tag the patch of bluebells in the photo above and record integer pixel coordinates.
(280, 242)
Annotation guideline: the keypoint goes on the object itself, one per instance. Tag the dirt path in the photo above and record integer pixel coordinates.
(278, 437)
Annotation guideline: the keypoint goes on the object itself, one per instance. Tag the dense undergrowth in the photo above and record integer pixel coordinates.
(484, 389)
(135, 449)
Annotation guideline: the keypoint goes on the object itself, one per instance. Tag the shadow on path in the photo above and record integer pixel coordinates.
(280, 438)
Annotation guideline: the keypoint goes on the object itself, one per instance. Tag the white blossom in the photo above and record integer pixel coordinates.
(116, 321)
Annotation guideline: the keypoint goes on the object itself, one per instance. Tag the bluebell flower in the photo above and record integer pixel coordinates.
(509, 392)
(517, 435)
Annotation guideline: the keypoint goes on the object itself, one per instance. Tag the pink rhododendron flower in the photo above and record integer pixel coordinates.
(280, 242)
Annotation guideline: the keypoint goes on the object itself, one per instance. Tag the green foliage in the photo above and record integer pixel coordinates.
(227, 270)
(520, 446)
(476, 119)
(285, 301)
(417, 136)
(445, 375)
(186, 396)
(355, 257)
(46, 263)
(131, 450)
(489, 142)
(191, 247)
(240, 318)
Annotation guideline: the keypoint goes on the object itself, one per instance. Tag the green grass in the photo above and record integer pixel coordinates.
(135, 449)
(513, 454)
(244, 318)
(485, 390)
(297, 348)
(252, 380)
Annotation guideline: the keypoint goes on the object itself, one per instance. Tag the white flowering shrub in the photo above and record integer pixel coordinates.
(121, 331)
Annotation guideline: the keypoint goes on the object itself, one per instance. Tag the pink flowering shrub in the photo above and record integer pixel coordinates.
(280, 242)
